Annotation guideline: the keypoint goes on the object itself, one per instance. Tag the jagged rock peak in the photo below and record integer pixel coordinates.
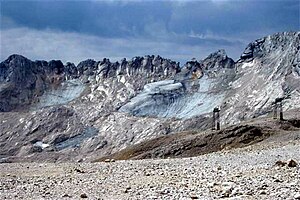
(218, 59)
(219, 53)
(15, 56)
(15, 67)
(146, 66)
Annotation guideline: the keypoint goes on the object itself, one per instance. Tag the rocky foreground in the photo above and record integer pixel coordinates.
(243, 173)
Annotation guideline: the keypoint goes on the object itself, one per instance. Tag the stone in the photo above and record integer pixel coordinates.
(83, 196)
(127, 189)
(280, 163)
(211, 184)
(227, 188)
(194, 196)
(263, 192)
(292, 163)
(147, 174)
(66, 196)
(297, 195)
(79, 170)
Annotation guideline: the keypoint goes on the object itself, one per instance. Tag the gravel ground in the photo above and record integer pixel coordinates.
(246, 173)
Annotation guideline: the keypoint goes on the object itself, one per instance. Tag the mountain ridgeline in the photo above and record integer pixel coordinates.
(96, 108)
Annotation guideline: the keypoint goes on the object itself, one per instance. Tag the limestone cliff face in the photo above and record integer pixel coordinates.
(99, 107)
(22, 80)
(194, 91)
(268, 68)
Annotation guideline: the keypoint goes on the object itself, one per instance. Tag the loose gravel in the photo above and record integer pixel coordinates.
(245, 173)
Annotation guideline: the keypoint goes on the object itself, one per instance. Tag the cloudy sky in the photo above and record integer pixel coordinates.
(180, 30)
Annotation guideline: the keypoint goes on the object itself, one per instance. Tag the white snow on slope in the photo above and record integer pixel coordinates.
(168, 99)
(68, 91)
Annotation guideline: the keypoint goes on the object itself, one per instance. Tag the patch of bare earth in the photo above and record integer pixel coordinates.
(194, 143)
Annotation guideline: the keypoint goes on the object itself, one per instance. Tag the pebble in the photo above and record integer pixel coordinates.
(83, 196)
(297, 195)
(292, 163)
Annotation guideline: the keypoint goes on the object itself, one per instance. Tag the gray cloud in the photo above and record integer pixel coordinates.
(75, 47)
(76, 30)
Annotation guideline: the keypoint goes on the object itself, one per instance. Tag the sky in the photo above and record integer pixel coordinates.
(180, 30)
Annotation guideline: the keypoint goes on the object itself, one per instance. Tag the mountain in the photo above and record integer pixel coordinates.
(62, 112)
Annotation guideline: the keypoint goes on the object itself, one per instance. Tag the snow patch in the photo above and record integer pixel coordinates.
(41, 144)
(68, 91)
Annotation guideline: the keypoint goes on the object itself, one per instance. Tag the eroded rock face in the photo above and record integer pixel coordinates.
(194, 91)
(99, 107)
(268, 69)
(73, 116)
(22, 81)
(217, 60)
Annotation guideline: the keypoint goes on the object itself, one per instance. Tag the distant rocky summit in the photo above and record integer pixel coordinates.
(57, 112)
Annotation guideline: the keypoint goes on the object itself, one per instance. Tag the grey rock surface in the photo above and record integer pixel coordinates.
(106, 106)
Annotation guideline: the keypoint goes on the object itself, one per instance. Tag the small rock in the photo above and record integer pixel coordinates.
(278, 181)
(79, 170)
(212, 184)
(193, 196)
(227, 188)
(263, 192)
(292, 163)
(280, 163)
(297, 195)
(127, 189)
(84, 196)
(66, 196)
(109, 160)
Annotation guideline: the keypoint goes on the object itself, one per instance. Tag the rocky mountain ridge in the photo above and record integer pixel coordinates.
(68, 112)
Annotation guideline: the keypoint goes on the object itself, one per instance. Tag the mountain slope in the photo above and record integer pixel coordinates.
(268, 69)
(65, 112)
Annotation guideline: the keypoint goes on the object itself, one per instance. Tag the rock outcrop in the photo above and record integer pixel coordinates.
(268, 69)
(218, 60)
(195, 90)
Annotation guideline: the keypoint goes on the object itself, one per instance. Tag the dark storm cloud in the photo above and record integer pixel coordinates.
(176, 29)
(235, 17)
(109, 19)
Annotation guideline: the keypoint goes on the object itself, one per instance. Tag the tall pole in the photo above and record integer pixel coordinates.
(218, 120)
(280, 111)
